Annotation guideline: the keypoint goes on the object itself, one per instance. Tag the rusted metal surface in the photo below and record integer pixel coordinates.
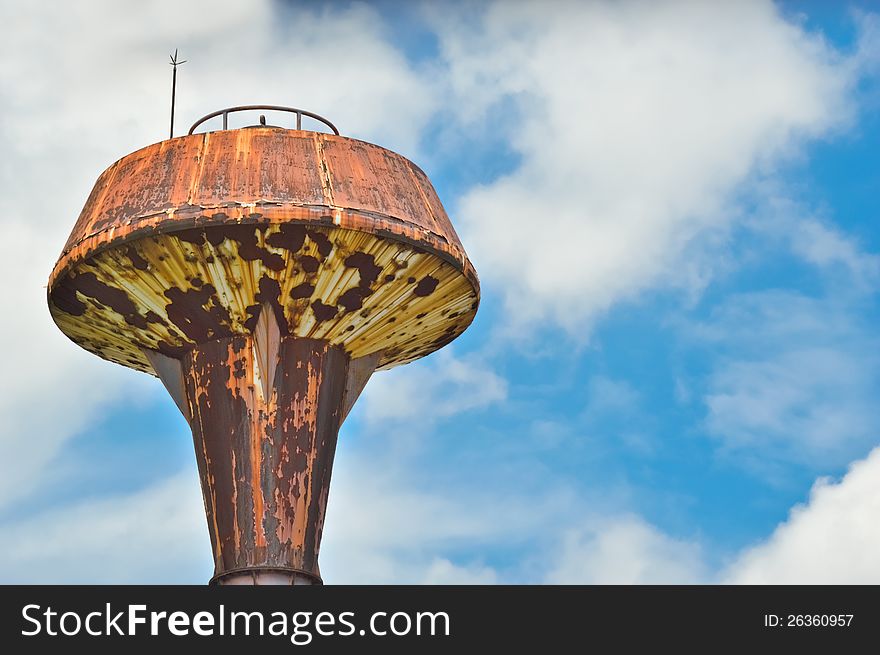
(170, 292)
(263, 274)
(170, 371)
(359, 372)
(265, 461)
(181, 241)
(204, 178)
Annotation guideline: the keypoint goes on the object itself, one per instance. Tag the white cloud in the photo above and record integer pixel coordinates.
(384, 526)
(841, 258)
(442, 571)
(382, 529)
(825, 246)
(833, 539)
(815, 399)
(50, 389)
(625, 550)
(436, 388)
(156, 535)
(636, 125)
(607, 395)
(91, 80)
(795, 378)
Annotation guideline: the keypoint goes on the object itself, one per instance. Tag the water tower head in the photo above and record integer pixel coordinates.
(263, 274)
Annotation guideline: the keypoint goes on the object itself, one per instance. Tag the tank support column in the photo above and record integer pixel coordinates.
(265, 411)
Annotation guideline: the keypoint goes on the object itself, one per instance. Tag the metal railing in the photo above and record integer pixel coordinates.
(230, 110)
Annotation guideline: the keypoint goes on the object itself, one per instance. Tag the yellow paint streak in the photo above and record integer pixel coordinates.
(448, 310)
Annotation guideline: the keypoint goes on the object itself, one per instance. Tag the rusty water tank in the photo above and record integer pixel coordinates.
(263, 274)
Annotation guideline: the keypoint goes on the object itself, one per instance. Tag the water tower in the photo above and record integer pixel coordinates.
(263, 274)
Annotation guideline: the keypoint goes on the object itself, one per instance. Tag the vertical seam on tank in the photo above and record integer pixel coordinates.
(326, 180)
(197, 178)
(435, 228)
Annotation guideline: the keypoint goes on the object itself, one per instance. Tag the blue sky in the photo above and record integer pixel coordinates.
(672, 207)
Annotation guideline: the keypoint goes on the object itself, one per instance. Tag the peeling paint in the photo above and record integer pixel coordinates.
(259, 274)
(265, 460)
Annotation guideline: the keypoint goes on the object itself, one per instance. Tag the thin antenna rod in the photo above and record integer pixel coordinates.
(175, 64)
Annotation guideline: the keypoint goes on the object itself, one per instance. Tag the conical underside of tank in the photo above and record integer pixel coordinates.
(356, 290)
